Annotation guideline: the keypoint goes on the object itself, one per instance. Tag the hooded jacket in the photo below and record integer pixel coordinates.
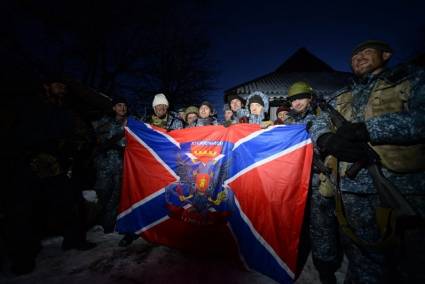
(257, 119)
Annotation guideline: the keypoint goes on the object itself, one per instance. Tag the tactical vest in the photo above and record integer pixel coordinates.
(388, 97)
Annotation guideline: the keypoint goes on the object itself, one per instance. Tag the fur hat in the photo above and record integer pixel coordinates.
(160, 99)
(256, 99)
(232, 97)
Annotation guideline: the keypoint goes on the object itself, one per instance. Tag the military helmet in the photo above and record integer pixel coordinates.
(189, 110)
(300, 90)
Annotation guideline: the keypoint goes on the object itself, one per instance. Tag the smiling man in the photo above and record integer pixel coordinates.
(162, 117)
(370, 57)
(386, 108)
(323, 226)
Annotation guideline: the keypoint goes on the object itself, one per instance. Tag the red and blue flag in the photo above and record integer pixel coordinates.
(242, 189)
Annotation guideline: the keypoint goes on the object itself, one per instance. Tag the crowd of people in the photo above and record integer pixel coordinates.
(384, 109)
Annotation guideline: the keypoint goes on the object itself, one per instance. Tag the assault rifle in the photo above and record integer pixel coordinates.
(388, 194)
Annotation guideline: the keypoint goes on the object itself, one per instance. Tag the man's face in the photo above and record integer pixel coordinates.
(235, 104)
(228, 115)
(204, 111)
(57, 88)
(55, 93)
(300, 105)
(181, 115)
(368, 60)
(191, 118)
(160, 110)
(120, 109)
(282, 115)
(256, 108)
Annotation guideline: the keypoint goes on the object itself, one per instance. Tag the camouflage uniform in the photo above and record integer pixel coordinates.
(405, 126)
(109, 168)
(170, 122)
(323, 225)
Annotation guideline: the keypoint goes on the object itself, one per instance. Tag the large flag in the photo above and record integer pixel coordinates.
(241, 189)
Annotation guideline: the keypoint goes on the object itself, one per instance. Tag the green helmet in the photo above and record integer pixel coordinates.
(300, 89)
(189, 110)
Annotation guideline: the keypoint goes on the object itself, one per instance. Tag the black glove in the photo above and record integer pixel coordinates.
(356, 132)
(342, 149)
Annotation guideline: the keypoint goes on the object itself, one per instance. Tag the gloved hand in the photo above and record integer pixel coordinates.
(342, 149)
(265, 124)
(356, 132)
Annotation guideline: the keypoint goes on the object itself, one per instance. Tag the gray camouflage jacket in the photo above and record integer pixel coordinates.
(404, 127)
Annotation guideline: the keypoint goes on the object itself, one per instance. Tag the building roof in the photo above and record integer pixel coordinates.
(303, 61)
(301, 66)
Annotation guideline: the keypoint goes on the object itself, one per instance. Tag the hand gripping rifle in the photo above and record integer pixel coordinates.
(396, 205)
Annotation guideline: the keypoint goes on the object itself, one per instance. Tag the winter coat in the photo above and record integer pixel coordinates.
(257, 119)
(170, 122)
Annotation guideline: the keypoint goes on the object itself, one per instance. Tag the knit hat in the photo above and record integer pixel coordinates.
(119, 99)
(160, 99)
(375, 44)
(256, 99)
(282, 108)
(209, 105)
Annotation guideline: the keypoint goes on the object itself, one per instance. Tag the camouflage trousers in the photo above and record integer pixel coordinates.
(108, 188)
(402, 264)
(324, 235)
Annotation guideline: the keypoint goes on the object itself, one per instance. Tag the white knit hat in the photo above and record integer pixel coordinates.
(159, 99)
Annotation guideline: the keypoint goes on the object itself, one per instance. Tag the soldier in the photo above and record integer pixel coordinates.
(109, 158)
(386, 109)
(162, 117)
(324, 238)
(191, 116)
(181, 113)
(228, 116)
(43, 200)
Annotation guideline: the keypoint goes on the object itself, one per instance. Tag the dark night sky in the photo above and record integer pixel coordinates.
(252, 38)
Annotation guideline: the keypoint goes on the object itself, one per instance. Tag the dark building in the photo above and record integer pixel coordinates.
(301, 66)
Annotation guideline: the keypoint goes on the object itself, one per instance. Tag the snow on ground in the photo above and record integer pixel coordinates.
(140, 262)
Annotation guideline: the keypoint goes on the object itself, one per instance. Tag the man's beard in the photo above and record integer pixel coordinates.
(162, 116)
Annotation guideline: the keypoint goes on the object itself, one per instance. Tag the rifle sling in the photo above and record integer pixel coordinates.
(386, 219)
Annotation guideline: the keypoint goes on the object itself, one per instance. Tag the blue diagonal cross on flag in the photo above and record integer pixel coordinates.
(241, 189)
